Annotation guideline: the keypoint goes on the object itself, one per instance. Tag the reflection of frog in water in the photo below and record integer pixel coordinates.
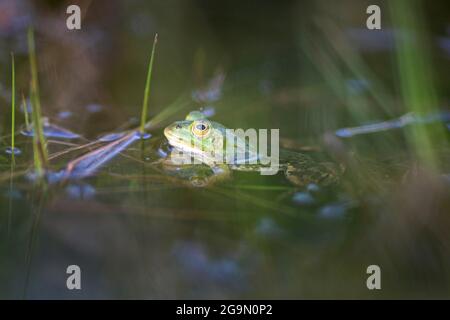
(199, 137)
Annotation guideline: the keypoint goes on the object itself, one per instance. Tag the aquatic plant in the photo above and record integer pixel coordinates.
(13, 106)
(147, 87)
(416, 79)
(39, 143)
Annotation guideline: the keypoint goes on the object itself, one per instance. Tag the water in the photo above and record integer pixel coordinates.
(137, 231)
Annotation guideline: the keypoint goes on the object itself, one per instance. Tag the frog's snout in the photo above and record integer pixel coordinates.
(171, 130)
(167, 131)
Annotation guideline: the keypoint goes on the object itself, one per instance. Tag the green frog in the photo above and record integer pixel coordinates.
(198, 145)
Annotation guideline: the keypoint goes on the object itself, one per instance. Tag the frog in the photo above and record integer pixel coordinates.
(201, 138)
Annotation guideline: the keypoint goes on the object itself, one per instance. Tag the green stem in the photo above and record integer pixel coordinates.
(39, 144)
(147, 86)
(13, 106)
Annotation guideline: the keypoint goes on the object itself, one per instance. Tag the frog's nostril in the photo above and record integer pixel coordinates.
(178, 126)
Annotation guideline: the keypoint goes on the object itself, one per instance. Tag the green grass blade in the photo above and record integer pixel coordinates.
(13, 107)
(39, 143)
(416, 77)
(147, 87)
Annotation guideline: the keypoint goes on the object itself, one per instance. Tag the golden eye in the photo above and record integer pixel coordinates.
(200, 128)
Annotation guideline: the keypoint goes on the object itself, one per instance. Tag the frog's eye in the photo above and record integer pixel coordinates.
(200, 128)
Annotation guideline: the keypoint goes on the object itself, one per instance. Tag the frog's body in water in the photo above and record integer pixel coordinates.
(201, 139)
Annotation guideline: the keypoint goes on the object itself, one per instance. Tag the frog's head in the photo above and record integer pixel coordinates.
(201, 137)
(208, 140)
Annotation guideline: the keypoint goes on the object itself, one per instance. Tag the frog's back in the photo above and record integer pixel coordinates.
(301, 169)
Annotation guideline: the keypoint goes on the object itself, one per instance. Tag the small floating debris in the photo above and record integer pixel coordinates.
(80, 191)
(89, 163)
(337, 210)
(303, 198)
(49, 176)
(11, 151)
(144, 136)
(52, 131)
(407, 119)
(333, 211)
